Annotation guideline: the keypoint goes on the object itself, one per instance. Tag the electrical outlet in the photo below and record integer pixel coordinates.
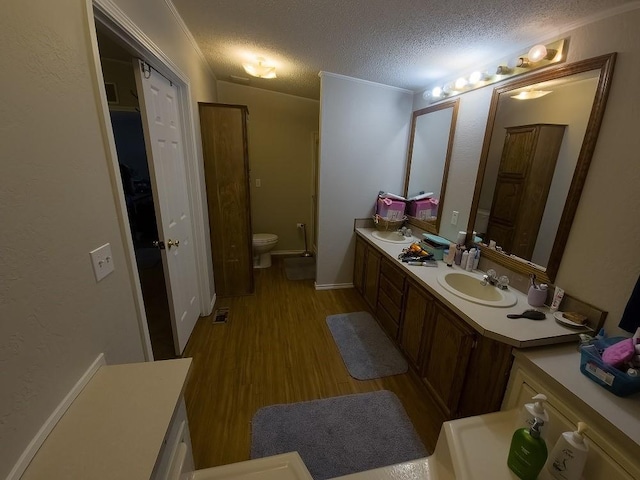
(300, 225)
(258, 182)
(454, 218)
(102, 261)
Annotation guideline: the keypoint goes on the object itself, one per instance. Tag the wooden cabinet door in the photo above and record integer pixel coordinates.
(371, 273)
(417, 307)
(445, 361)
(358, 264)
(226, 169)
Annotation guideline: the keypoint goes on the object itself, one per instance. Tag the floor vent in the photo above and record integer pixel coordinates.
(221, 315)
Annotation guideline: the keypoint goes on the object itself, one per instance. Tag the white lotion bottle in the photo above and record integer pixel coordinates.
(533, 410)
(569, 455)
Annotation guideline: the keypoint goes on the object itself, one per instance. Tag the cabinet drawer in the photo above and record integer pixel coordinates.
(395, 276)
(394, 294)
(392, 308)
(387, 322)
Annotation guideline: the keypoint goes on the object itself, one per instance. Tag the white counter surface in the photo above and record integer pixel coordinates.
(562, 364)
(490, 322)
(116, 425)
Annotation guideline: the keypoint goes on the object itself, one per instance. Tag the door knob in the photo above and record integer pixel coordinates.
(172, 243)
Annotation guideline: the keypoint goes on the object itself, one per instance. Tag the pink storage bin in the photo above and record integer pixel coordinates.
(390, 209)
(423, 209)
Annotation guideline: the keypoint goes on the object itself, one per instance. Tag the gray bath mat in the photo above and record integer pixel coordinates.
(300, 268)
(366, 350)
(340, 435)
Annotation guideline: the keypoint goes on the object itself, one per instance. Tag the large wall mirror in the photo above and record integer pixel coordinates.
(538, 145)
(432, 132)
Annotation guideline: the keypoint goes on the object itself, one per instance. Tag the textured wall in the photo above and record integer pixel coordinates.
(281, 129)
(610, 200)
(364, 132)
(57, 204)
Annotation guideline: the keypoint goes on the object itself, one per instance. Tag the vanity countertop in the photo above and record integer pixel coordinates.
(116, 426)
(490, 322)
(562, 364)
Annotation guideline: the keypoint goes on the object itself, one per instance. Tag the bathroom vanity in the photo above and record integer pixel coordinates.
(462, 351)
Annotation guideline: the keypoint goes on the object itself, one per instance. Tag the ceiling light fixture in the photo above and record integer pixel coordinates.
(259, 69)
(538, 56)
(531, 94)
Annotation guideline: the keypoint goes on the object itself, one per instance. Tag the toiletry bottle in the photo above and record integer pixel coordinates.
(568, 457)
(464, 260)
(528, 452)
(534, 410)
(451, 255)
(458, 257)
(476, 260)
(469, 266)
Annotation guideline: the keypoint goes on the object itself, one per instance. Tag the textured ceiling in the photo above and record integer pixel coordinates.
(403, 43)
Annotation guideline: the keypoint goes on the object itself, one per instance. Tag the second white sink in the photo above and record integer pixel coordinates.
(392, 237)
(469, 287)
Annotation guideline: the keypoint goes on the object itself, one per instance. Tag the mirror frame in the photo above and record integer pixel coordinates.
(604, 64)
(424, 225)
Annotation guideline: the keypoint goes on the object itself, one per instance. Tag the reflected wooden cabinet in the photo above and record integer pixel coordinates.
(226, 168)
(525, 173)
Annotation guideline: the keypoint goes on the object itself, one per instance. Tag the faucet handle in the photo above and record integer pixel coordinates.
(503, 282)
(491, 273)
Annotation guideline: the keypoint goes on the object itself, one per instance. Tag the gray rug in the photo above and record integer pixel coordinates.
(366, 350)
(300, 268)
(340, 435)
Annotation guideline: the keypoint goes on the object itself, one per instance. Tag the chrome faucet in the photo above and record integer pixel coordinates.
(491, 277)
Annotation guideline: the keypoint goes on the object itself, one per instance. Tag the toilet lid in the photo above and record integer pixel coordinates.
(264, 238)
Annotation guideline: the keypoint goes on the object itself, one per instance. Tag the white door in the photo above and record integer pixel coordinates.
(163, 139)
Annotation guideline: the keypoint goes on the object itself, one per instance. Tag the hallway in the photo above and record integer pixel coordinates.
(277, 348)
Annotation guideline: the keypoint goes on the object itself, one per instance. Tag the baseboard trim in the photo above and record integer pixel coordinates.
(333, 286)
(287, 252)
(212, 304)
(37, 441)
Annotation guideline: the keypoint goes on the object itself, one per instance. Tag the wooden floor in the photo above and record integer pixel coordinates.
(275, 349)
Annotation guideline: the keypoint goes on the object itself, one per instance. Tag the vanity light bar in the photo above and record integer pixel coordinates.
(536, 57)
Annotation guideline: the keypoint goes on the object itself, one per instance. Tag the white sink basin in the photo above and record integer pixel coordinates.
(392, 237)
(469, 287)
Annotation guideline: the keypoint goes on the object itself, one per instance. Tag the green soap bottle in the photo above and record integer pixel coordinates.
(528, 452)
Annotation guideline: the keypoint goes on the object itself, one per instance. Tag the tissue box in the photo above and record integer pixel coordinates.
(423, 209)
(607, 376)
(390, 209)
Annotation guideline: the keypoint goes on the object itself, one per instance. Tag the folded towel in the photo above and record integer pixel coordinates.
(631, 316)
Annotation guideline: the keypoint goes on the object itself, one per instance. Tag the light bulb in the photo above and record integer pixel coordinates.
(537, 53)
(461, 83)
(436, 92)
(475, 77)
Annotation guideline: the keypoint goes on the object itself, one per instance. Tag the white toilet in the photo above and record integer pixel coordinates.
(262, 245)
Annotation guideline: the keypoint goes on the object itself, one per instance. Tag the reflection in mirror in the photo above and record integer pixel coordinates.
(534, 162)
(432, 132)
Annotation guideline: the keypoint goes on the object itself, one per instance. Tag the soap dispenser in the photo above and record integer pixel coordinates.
(528, 452)
(569, 455)
(534, 410)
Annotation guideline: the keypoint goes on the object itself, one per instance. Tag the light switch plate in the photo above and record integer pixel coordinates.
(102, 261)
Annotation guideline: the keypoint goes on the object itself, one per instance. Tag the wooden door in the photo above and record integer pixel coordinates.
(417, 308)
(445, 362)
(226, 166)
(163, 140)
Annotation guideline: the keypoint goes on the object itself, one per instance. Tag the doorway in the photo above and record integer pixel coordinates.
(126, 123)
